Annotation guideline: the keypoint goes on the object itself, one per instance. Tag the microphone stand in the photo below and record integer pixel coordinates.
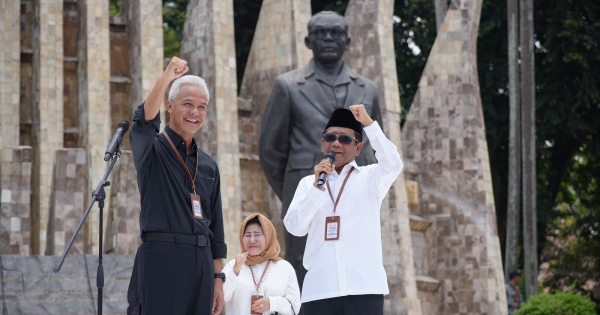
(98, 195)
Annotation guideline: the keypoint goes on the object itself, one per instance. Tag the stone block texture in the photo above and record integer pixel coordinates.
(444, 135)
(145, 37)
(208, 45)
(123, 222)
(67, 202)
(277, 47)
(94, 100)
(31, 287)
(15, 202)
(47, 110)
(372, 55)
(10, 69)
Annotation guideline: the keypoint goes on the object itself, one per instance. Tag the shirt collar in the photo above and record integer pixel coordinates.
(343, 77)
(178, 140)
(347, 167)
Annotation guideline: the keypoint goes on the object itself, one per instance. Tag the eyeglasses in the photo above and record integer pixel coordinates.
(343, 139)
(336, 33)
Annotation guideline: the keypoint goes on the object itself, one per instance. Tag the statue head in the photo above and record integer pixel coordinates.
(327, 37)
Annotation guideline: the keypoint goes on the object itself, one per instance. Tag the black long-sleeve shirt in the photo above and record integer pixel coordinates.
(165, 186)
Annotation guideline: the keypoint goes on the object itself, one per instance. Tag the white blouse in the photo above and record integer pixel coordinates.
(280, 285)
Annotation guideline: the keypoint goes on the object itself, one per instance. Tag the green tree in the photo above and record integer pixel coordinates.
(173, 20)
(567, 303)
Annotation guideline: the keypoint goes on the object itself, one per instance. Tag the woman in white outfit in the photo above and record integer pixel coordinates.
(258, 280)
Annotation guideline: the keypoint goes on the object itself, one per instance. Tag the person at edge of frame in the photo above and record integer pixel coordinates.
(178, 266)
(513, 293)
(343, 255)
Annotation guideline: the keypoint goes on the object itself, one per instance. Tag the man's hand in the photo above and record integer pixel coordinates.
(240, 260)
(324, 166)
(176, 68)
(219, 300)
(261, 305)
(361, 115)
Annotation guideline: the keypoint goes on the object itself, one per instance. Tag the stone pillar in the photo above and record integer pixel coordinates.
(10, 70)
(94, 100)
(145, 37)
(444, 135)
(123, 223)
(209, 47)
(372, 55)
(15, 220)
(277, 47)
(47, 110)
(67, 201)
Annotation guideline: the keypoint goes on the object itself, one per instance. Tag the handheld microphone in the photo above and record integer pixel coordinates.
(330, 157)
(122, 128)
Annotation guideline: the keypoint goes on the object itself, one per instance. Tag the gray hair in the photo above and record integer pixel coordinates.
(325, 13)
(187, 79)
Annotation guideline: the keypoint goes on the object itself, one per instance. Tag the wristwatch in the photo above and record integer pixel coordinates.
(220, 275)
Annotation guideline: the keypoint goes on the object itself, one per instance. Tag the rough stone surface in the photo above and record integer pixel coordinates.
(15, 188)
(123, 222)
(277, 47)
(372, 55)
(145, 37)
(67, 202)
(208, 45)
(94, 99)
(9, 72)
(31, 287)
(47, 110)
(444, 135)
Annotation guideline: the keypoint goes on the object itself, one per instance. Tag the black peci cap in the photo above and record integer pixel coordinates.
(342, 117)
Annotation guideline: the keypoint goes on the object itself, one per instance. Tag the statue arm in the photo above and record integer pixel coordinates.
(274, 144)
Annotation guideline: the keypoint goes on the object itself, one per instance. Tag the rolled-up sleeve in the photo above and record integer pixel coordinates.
(142, 135)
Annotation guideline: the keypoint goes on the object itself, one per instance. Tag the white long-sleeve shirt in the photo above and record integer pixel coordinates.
(352, 265)
(280, 285)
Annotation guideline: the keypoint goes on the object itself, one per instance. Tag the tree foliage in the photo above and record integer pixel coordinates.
(567, 303)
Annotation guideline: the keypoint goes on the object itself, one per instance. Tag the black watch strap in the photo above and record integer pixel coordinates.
(220, 275)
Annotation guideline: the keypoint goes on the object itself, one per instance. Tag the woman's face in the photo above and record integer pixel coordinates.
(254, 240)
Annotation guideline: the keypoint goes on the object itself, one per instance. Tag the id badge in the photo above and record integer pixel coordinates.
(196, 207)
(252, 300)
(332, 228)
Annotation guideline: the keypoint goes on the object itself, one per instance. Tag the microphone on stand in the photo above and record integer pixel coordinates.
(114, 144)
(330, 157)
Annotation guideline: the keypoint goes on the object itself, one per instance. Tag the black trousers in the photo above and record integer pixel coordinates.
(371, 304)
(175, 279)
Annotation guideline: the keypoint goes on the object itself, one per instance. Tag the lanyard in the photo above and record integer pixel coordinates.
(262, 277)
(193, 180)
(335, 203)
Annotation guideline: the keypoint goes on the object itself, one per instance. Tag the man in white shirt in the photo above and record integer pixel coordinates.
(343, 252)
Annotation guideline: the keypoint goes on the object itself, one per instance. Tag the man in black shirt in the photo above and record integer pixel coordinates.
(179, 263)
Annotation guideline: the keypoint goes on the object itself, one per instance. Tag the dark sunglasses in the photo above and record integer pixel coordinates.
(336, 33)
(343, 139)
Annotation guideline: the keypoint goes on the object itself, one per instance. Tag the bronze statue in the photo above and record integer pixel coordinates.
(298, 109)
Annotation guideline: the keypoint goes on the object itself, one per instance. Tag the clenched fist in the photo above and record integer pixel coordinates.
(176, 68)
(360, 114)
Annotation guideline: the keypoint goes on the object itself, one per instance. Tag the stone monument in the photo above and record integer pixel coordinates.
(444, 136)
